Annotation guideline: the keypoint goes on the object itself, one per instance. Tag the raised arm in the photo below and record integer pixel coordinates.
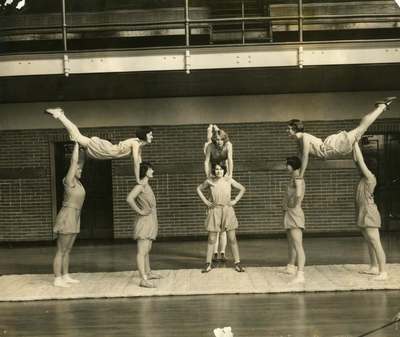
(305, 154)
(207, 168)
(299, 182)
(241, 189)
(137, 159)
(359, 158)
(230, 159)
(70, 177)
(131, 199)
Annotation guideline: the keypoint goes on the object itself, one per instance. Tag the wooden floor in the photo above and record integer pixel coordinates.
(316, 314)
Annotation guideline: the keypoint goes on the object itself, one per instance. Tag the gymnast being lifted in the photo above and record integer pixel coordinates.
(338, 144)
(98, 148)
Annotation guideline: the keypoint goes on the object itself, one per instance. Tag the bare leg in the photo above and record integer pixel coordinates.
(70, 243)
(373, 261)
(142, 247)
(373, 264)
(297, 241)
(371, 117)
(66, 277)
(147, 258)
(374, 238)
(234, 245)
(150, 274)
(212, 238)
(58, 259)
(216, 246)
(291, 249)
(141, 257)
(62, 246)
(72, 129)
(235, 250)
(222, 242)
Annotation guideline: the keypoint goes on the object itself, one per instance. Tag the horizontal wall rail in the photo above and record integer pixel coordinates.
(247, 56)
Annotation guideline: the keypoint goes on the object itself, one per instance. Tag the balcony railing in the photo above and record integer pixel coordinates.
(185, 24)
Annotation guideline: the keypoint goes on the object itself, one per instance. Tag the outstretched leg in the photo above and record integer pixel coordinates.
(371, 117)
(72, 129)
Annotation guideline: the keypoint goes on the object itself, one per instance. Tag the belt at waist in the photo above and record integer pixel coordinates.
(71, 206)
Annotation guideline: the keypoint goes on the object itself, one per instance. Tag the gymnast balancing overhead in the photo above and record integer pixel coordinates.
(67, 224)
(293, 220)
(338, 144)
(221, 215)
(98, 148)
(218, 149)
(142, 200)
(368, 218)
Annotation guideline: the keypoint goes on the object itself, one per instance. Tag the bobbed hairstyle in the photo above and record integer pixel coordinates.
(294, 162)
(296, 125)
(222, 165)
(144, 166)
(221, 133)
(142, 131)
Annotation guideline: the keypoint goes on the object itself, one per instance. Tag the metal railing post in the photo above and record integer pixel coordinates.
(300, 15)
(64, 26)
(187, 27)
(243, 30)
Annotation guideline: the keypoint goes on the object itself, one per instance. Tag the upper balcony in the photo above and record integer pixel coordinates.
(144, 48)
(74, 25)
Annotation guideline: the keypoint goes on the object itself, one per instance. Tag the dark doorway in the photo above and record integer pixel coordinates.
(97, 211)
(383, 155)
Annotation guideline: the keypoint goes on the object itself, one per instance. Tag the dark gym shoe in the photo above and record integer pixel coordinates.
(223, 258)
(207, 268)
(239, 268)
(387, 101)
(215, 257)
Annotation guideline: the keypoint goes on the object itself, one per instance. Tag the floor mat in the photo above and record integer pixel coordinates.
(256, 280)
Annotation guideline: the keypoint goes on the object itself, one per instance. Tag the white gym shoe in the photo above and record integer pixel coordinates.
(381, 277)
(299, 278)
(290, 269)
(154, 276)
(68, 279)
(370, 271)
(55, 112)
(59, 282)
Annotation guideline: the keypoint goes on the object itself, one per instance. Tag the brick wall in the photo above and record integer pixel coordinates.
(259, 148)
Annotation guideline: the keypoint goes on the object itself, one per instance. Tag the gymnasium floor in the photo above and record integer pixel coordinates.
(304, 314)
